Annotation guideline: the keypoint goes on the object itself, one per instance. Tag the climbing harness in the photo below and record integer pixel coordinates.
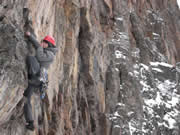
(44, 82)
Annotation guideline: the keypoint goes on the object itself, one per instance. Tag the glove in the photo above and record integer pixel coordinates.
(27, 33)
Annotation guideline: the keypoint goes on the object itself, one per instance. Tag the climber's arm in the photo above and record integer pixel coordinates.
(32, 40)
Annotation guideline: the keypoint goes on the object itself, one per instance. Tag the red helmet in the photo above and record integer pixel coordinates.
(50, 40)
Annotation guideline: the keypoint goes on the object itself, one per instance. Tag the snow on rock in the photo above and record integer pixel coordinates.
(162, 107)
(149, 87)
(119, 18)
(178, 2)
(159, 92)
(119, 54)
(161, 63)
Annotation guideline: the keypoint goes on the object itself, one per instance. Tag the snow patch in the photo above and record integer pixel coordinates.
(116, 69)
(116, 114)
(131, 128)
(130, 113)
(155, 34)
(119, 19)
(117, 126)
(157, 69)
(178, 2)
(144, 66)
(119, 54)
(161, 63)
(120, 104)
(171, 121)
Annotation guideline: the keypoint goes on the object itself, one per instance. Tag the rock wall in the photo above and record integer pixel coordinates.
(75, 101)
(84, 85)
(145, 32)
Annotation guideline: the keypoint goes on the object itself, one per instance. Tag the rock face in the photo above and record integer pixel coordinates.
(112, 74)
(144, 40)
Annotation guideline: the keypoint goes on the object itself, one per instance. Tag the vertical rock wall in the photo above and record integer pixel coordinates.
(75, 101)
(144, 32)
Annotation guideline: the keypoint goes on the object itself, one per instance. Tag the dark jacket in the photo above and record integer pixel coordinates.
(45, 56)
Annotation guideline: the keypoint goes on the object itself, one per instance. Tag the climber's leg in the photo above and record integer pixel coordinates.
(28, 108)
(33, 66)
(33, 83)
(29, 91)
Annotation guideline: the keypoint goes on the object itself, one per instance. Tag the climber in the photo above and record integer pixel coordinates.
(37, 66)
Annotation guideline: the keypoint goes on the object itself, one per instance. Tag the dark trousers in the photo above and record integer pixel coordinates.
(34, 84)
(27, 106)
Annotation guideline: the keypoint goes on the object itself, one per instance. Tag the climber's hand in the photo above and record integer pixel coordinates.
(28, 33)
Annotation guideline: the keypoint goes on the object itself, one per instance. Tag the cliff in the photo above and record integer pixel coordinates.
(113, 59)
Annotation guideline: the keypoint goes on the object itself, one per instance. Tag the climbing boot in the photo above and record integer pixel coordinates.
(30, 126)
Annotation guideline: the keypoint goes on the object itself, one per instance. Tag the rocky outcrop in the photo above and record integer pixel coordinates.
(95, 82)
(145, 39)
(75, 101)
(13, 51)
